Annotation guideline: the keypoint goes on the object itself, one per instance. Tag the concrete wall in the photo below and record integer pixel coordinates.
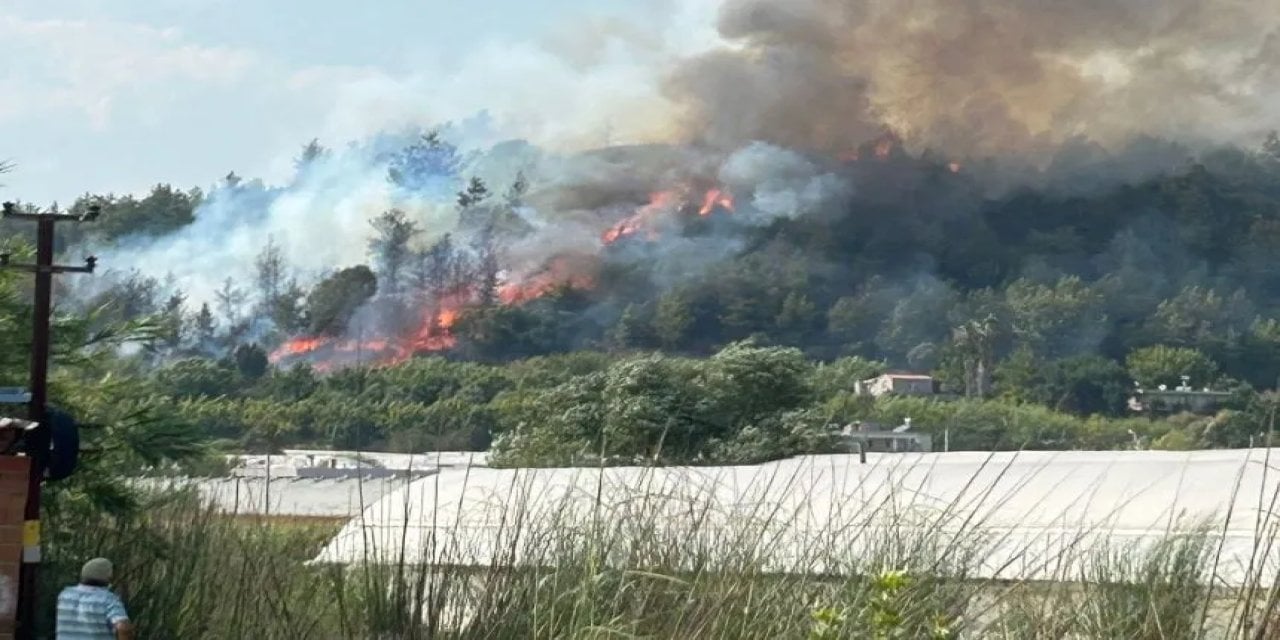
(13, 500)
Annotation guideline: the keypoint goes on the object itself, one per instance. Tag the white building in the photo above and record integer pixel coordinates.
(1180, 398)
(1035, 515)
(901, 384)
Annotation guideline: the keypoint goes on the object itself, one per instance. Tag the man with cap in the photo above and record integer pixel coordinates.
(89, 610)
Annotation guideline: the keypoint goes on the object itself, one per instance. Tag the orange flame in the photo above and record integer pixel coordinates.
(659, 201)
(297, 347)
(954, 167)
(434, 331)
(560, 271)
(884, 147)
(716, 198)
(446, 318)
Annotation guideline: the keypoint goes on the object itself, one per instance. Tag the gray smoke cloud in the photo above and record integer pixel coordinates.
(982, 77)
(1007, 78)
(781, 183)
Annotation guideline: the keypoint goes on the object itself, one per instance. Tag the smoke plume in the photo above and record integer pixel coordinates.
(982, 78)
(802, 107)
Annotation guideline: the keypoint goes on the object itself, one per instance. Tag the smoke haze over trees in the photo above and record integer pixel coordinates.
(1035, 204)
(1043, 295)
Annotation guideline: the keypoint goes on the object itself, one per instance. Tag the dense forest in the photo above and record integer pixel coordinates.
(1039, 299)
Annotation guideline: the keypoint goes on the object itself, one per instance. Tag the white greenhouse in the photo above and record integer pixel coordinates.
(1028, 515)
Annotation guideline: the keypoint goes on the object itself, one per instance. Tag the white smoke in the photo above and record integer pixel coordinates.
(321, 223)
(781, 183)
(594, 82)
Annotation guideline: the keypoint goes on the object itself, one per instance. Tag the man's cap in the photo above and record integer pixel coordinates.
(96, 570)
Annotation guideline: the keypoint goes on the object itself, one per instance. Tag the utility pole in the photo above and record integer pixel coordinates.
(38, 440)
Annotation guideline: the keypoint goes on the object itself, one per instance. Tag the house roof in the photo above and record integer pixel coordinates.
(1036, 510)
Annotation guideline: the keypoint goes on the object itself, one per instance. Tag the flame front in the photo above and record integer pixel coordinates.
(659, 202)
(647, 218)
(297, 347)
(439, 318)
(716, 198)
(884, 148)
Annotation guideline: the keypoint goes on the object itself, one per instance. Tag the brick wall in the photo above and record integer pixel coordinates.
(13, 498)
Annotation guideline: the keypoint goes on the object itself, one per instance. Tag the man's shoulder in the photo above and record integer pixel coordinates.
(85, 592)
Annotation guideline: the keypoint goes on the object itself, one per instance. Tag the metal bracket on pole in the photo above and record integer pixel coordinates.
(10, 210)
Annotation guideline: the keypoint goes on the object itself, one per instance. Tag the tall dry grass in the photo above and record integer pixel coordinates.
(622, 571)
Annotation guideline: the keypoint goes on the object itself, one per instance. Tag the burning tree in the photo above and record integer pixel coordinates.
(430, 296)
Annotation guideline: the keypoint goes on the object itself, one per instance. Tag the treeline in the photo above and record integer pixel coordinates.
(745, 403)
(918, 268)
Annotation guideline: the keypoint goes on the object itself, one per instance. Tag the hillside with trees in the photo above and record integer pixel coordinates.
(1040, 306)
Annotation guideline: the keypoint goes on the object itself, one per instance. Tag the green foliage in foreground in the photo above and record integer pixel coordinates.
(188, 573)
(746, 403)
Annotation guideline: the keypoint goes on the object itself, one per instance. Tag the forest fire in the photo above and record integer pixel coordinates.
(325, 354)
(297, 347)
(659, 202)
(573, 271)
(537, 287)
(664, 202)
(434, 330)
(435, 334)
(884, 148)
(716, 198)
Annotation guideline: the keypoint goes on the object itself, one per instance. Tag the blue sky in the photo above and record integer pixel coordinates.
(116, 95)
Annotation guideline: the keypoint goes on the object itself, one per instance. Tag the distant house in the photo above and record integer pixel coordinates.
(874, 438)
(1178, 399)
(899, 384)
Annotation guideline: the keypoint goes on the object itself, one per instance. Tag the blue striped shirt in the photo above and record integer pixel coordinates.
(89, 613)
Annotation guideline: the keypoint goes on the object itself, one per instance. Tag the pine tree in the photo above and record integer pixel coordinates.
(632, 331)
(312, 152)
(475, 193)
(389, 248)
(230, 298)
(488, 268)
(515, 194)
(269, 269)
(173, 327)
(432, 269)
(205, 325)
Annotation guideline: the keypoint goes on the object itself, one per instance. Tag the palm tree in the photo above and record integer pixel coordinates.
(975, 340)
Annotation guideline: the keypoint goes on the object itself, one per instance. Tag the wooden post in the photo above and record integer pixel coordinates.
(38, 440)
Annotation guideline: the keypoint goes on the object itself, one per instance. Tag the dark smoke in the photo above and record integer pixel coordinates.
(982, 77)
